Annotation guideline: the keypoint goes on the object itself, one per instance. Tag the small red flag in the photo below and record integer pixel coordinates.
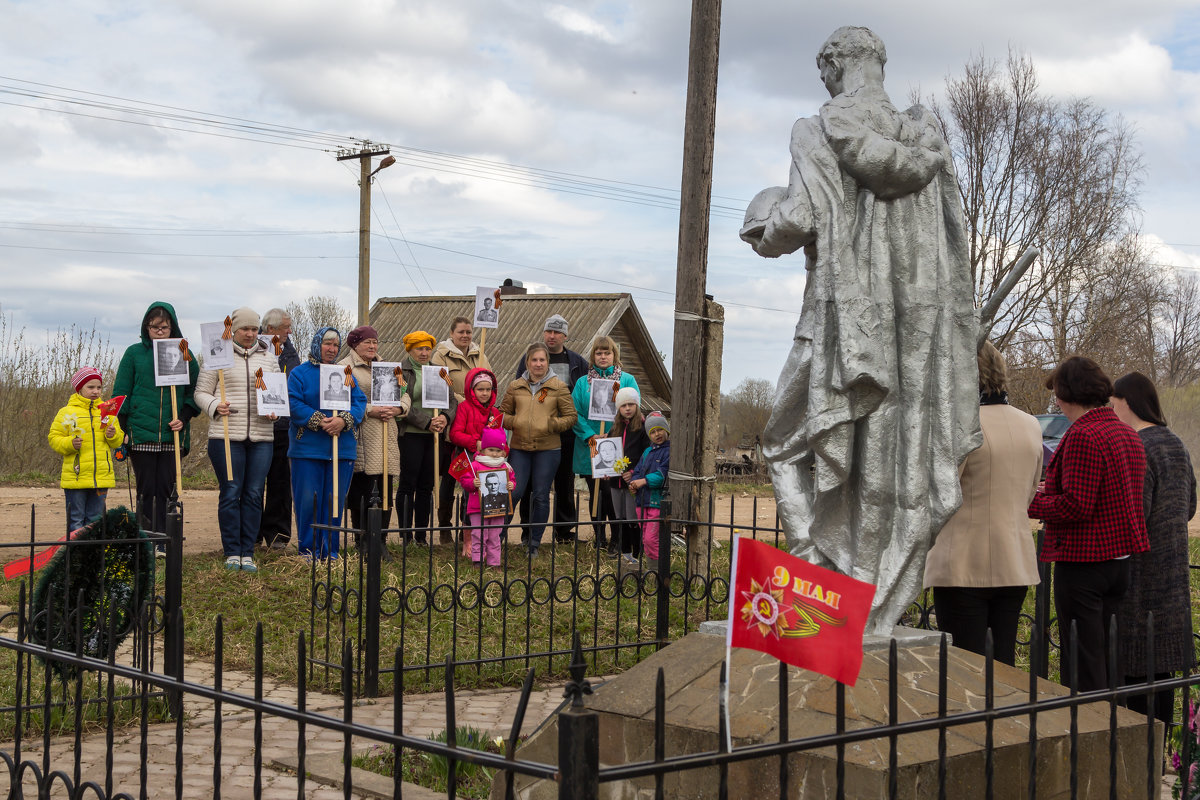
(808, 616)
(460, 466)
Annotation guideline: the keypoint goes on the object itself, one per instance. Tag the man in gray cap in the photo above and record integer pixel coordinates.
(568, 366)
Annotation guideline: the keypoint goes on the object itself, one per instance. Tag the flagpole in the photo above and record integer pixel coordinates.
(724, 698)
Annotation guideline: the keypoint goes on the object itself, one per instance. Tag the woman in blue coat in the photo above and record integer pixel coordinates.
(603, 363)
(311, 432)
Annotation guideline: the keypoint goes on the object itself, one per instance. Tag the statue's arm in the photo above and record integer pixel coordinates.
(780, 220)
(889, 166)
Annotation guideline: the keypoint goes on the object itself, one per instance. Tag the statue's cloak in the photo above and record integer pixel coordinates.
(878, 403)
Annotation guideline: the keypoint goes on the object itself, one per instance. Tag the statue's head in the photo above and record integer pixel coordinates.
(849, 49)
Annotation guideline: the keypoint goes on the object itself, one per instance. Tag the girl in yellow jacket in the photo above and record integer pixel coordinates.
(85, 442)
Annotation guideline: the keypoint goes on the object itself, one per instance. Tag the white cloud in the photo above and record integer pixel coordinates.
(574, 21)
(1127, 71)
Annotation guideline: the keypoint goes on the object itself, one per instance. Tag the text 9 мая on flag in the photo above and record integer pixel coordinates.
(808, 616)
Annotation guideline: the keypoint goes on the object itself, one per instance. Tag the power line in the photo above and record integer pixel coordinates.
(179, 119)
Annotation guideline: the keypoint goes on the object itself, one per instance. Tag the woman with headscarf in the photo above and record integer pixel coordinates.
(377, 431)
(983, 562)
(459, 355)
(312, 432)
(251, 440)
(146, 416)
(1158, 580)
(418, 432)
(604, 363)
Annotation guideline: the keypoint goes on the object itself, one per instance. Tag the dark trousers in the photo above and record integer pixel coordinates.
(1164, 699)
(358, 499)
(414, 498)
(603, 534)
(155, 475)
(445, 516)
(967, 612)
(276, 523)
(1088, 593)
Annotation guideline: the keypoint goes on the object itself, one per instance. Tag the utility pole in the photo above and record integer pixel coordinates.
(364, 156)
(696, 360)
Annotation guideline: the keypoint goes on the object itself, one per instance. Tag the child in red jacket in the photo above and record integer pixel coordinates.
(474, 415)
(477, 412)
(484, 532)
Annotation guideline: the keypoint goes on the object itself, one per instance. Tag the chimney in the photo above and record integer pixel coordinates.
(512, 287)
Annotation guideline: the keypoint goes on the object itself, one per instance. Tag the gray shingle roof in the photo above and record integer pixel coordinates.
(521, 321)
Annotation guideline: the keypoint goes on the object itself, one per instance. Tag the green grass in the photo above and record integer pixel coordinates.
(473, 781)
(91, 690)
(31, 478)
(278, 598)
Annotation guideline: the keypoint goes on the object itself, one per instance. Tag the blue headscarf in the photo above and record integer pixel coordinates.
(314, 350)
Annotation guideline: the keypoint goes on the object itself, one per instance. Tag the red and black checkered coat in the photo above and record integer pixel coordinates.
(1092, 502)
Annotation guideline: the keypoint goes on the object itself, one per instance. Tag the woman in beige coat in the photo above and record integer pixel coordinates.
(537, 408)
(983, 561)
(251, 440)
(378, 430)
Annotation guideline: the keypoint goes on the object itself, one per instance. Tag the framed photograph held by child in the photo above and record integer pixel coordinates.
(494, 500)
(608, 452)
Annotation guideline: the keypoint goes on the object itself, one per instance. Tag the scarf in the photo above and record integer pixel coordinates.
(491, 461)
(612, 373)
(993, 399)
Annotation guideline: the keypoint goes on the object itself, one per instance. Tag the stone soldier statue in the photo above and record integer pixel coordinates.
(877, 404)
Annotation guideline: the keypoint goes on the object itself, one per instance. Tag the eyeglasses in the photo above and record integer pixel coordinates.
(158, 327)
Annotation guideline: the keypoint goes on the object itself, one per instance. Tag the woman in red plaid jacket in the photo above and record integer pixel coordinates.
(1091, 504)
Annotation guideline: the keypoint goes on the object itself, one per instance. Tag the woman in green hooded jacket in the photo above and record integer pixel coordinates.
(146, 416)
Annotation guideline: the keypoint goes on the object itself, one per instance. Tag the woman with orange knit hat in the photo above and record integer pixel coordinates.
(418, 433)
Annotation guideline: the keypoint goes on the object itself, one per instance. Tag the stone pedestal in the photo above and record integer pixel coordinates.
(692, 670)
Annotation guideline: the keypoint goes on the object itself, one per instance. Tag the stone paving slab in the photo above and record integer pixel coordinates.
(424, 714)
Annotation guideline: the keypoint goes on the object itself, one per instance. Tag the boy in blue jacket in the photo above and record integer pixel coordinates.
(648, 478)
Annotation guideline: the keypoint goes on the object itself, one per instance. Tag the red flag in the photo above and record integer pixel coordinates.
(810, 617)
(460, 466)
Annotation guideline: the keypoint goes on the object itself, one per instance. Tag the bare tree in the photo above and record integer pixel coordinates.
(1058, 175)
(745, 410)
(1179, 332)
(315, 313)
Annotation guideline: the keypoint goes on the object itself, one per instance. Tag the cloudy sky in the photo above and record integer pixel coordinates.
(186, 150)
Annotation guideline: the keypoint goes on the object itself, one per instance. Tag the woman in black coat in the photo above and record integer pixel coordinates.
(1158, 579)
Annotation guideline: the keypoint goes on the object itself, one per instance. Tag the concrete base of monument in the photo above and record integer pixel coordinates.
(691, 669)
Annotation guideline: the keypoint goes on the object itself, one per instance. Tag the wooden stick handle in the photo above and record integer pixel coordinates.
(225, 422)
(334, 506)
(482, 342)
(437, 476)
(596, 486)
(383, 480)
(178, 460)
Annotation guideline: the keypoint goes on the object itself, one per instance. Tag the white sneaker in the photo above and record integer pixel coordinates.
(233, 563)
(248, 564)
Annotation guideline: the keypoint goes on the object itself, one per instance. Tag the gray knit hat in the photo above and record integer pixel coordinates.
(556, 322)
(655, 419)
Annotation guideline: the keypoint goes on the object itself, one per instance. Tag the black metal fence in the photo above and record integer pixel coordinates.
(129, 689)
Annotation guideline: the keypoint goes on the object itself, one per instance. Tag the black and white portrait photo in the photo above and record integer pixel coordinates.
(385, 386)
(170, 368)
(273, 399)
(218, 352)
(335, 394)
(493, 492)
(435, 392)
(486, 313)
(602, 407)
(608, 452)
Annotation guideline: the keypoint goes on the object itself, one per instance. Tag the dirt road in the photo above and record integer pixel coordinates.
(200, 530)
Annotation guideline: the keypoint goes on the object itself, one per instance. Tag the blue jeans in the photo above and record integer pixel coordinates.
(83, 506)
(537, 467)
(239, 505)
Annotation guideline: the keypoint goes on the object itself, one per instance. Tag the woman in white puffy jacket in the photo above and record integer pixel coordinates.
(251, 439)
